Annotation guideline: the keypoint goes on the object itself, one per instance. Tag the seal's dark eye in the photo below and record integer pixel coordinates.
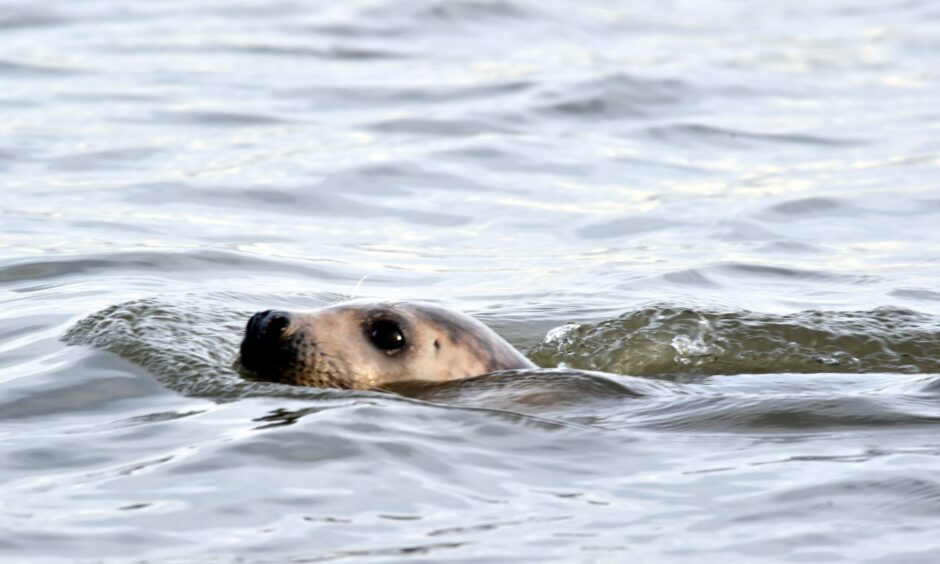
(387, 335)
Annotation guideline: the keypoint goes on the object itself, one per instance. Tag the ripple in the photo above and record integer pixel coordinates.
(215, 118)
(441, 127)
(802, 208)
(32, 70)
(149, 261)
(917, 294)
(358, 193)
(15, 18)
(690, 277)
(428, 12)
(771, 272)
(131, 157)
(112, 383)
(711, 136)
(626, 227)
(793, 412)
(910, 495)
(335, 52)
(615, 96)
(433, 93)
(744, 403)
(486, 154)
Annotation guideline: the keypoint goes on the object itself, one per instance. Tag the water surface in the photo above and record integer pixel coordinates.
(714, 224)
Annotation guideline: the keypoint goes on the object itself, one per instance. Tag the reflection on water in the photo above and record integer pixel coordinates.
(719, 221)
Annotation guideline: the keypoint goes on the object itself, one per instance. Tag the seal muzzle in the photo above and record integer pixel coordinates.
(264, 348)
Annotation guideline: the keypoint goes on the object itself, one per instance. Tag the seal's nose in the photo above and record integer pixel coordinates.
(267, 325)
(263, 347)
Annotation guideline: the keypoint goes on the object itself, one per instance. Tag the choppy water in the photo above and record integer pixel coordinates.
(718, 220)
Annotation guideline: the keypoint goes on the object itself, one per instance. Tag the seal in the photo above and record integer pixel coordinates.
(368, 344)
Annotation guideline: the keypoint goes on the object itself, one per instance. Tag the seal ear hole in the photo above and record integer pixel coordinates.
(437, 345)
(387, 336)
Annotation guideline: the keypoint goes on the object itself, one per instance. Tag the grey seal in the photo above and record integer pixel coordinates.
(368, 344)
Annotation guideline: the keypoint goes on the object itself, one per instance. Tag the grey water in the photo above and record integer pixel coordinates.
(714, 224)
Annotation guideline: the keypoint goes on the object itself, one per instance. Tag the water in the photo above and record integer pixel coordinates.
(714, 223)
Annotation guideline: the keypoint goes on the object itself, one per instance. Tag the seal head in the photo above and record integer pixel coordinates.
(365, 345)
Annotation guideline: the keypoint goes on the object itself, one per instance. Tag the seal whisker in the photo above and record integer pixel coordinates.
(352, 296)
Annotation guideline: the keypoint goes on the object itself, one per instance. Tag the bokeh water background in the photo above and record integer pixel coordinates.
(735, 204)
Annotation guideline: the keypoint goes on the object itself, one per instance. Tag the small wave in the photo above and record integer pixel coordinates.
(127, 158)
(338, 52)
(23, 17)
(459, 12)
(615, 96)
(790, 403)
(699, 134)
(373, 95)
(215, 118)
(30, 70)
(167, 341)
(762, 403)
(52, 267)
(445, 127)
(626, 226)
(669, 340)
(800, 208)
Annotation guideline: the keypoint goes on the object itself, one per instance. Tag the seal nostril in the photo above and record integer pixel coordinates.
(276, 325)
(267, 325)
(255, 323)
(264, 348)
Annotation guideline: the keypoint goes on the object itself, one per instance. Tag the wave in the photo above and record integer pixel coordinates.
(663, 339)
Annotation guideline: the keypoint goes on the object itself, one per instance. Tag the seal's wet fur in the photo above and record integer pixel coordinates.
(332, 347)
